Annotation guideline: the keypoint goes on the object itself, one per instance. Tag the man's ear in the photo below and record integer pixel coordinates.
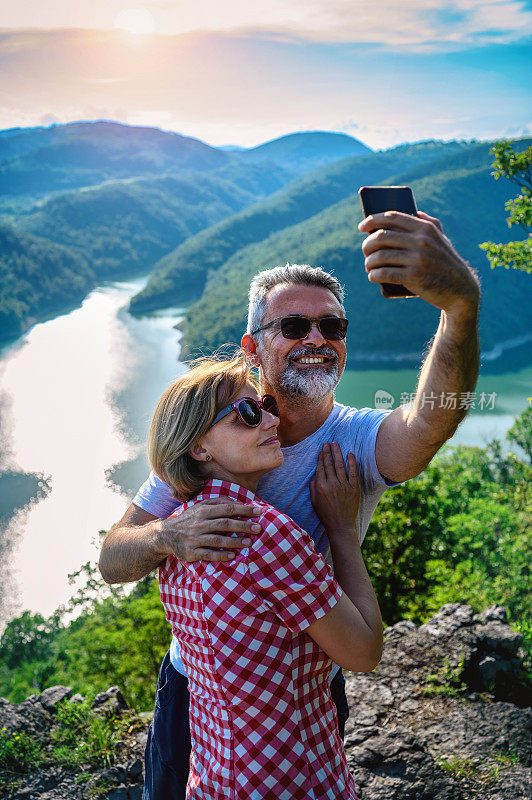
(198, 452)
(249, 346)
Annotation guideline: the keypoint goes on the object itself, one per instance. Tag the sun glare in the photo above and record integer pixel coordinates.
(135, 20)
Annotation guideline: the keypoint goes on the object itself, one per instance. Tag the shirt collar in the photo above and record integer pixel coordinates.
(218, 488)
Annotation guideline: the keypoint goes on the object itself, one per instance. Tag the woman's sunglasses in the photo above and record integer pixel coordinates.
(296, 327)
(249, 411)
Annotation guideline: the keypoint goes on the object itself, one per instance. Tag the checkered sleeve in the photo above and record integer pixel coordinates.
(289, 576)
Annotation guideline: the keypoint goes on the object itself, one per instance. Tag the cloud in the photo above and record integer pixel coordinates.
(239, 90)
(412, 25)
(409, 25)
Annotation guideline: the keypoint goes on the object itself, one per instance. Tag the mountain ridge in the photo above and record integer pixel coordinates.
(203, 232)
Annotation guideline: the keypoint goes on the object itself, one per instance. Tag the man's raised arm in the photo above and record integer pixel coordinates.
(140, 542)
(430, 267)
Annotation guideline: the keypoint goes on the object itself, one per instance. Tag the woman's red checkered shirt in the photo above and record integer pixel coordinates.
(263, 723)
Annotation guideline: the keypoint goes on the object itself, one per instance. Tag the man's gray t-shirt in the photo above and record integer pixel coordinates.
(287, 487)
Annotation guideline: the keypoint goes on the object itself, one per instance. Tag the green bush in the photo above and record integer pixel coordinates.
(19, 753)
(81, 736)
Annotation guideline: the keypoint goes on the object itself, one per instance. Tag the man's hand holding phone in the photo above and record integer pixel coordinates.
(378, 199)
(412, 252)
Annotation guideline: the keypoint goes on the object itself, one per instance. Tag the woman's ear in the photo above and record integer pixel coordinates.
(199, 453)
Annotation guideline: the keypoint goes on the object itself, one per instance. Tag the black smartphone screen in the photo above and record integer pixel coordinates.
(374, 200)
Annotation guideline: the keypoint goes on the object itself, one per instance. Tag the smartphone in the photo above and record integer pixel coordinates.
(375, 199)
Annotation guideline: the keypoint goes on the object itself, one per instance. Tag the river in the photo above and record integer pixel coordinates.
(76, 396)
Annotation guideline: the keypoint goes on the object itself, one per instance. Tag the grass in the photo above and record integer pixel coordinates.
(508, 759)
(82, 737)
(19, 754)
(94, 788)
(459, 765)
(463, 767)
(446, 681)
(79, 737)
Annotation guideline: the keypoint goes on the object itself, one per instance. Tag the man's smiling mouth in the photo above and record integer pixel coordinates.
(323, 357)
(312, 360)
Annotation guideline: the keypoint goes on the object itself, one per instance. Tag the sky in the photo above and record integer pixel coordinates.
(246, 71)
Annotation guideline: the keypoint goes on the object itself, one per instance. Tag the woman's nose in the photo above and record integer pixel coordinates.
(269, 420)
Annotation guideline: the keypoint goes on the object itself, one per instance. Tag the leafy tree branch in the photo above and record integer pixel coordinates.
(517, 167)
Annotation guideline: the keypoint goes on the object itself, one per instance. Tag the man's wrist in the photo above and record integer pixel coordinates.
(463, 311)
(161, 541)
(459, 324)
(465, 308)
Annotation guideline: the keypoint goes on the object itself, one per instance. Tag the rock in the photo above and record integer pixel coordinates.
(492, 614)
(449, 618)
(473, 731)
(134, 769)
(500, 638)
(77, 698)
(27, 716)
(398, 736)
(488, 669)
(54, 695)
(393, 766)
(120, 793)
(365, 715)
(114, 775)
(516, 784)
(403, 626)
(23, 794)
(112, 701)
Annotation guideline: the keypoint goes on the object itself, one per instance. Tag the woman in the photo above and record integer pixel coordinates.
(257, 634)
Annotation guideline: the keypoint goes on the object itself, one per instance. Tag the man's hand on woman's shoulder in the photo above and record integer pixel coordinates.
(140, 542)
(196, 533)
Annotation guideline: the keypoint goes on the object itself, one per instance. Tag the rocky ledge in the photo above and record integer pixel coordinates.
(445, 716)
(446, 713)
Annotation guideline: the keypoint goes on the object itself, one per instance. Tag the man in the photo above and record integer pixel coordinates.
(293, 337)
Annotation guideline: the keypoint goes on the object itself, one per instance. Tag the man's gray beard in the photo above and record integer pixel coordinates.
(314, 383)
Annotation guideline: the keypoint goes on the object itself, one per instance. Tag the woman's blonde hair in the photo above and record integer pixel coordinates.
(185, 413)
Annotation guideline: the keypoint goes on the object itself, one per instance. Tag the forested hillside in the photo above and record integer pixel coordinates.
(132, 196)
(458, 189)
(202, 221)
(37, 277)
(303, 151)
(185, 269)
(37, 161)
(117, 229)
(124, 226)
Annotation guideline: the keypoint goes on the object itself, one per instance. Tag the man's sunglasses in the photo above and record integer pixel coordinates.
(297, 327)
(249, 410)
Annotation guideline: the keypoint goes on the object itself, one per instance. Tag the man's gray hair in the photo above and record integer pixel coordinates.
(292, 275)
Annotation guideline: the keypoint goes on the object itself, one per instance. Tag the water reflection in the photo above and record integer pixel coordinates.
(505, 396)
(77, 394)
